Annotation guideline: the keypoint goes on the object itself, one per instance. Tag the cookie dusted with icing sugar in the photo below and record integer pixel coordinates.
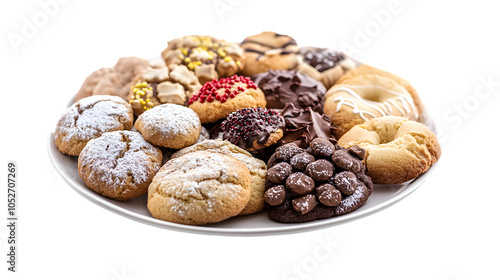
(366, 94)
(88, 119)
(119, 165)
(169, 126)
(199, 188)
(256, 167)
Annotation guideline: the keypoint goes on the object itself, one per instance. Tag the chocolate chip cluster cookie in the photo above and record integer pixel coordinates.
(322, 181)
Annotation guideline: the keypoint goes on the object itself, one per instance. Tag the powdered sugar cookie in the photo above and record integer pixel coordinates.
(256, 167)
(169, 126)
(199, 188)
(119, 164)
(88, 119)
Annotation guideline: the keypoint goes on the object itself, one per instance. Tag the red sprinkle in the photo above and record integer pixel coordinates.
(210, 90)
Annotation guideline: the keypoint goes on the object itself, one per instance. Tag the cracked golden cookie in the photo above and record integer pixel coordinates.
(397, 149)
(159, 85)
(366, 93)
(169, 126)
(113, 81)
(269, 51)
(89, 118)
(199, 188)
(256, 167)
(119, 165)
(218, 98)
(208, 57)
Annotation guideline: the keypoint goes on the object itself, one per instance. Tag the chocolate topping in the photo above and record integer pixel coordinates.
(304, 125)
(304, 204)
(328, 195)
(320, 170)
(245, 126)
(279, 172)
(302, 160)
(299, 183)
(346, 182)
(321, 59)
(289, 86)
(275, 195)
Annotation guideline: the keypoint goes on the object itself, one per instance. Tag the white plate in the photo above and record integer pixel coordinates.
(255, 224)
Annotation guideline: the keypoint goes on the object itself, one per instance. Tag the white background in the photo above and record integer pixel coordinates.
(447, 230)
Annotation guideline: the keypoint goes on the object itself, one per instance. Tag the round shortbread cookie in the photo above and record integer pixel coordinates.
(88, 119)
(199, 188)
(119, 164)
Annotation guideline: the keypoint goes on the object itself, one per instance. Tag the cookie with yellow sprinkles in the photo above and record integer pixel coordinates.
(208, 57)
(160, 85)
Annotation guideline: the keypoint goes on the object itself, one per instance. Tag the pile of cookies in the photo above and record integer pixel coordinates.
(222, 129)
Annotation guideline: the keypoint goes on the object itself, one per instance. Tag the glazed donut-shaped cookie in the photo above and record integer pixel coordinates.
(397, 149)
(366, 96)
(269, 51)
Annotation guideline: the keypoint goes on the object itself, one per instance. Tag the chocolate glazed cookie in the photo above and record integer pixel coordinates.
(269, 50)
(322, 181)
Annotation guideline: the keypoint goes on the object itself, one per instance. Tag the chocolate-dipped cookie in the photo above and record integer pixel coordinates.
(269, 50)
(304, 125)
(322, 181)
(253, 128)
(324, 65)
(282, 87)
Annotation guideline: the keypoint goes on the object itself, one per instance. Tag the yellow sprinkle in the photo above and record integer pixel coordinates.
(191, 66)
(137, 96)
(181, 57)
(138, 85)
(227, 58)
(144, 84)
(135, 89)
(238, 62)
(140, 92)
(150, 88)
(144, 107)
(131, 101)
(184, 51)
(187, 59)
(142, 102)
(147, 100)
(198, 62)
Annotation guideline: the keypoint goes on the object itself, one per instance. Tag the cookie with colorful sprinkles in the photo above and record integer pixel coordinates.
(208, 57)
(218, 98)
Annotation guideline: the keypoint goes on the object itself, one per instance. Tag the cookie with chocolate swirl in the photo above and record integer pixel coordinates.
(269, 51)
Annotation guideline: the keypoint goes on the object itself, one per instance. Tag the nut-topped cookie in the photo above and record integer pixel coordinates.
(322, 181)
(159, 85)
(208, 57)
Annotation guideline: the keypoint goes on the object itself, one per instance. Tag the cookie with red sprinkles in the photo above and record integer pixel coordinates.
(218, 98)
(253, 128)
